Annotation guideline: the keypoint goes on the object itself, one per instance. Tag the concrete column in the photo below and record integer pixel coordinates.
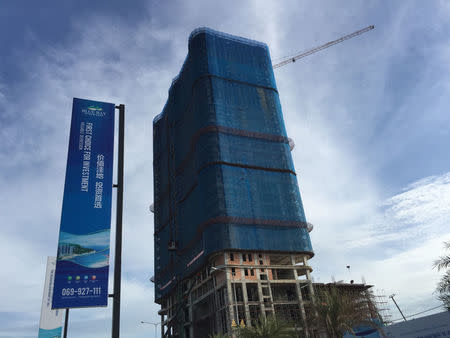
(246, 307)
(300, 299)
(229, 291)
(260, 295)
(305, 260)
(308, 277)
(217, 324)
(311, 289)
(299, 292)
(190, 310)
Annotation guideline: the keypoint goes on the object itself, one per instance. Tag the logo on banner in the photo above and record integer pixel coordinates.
(94, 111)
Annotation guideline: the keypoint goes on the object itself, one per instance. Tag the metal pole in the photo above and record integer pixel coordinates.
(392, 297)
(66, 323)
(119, 212)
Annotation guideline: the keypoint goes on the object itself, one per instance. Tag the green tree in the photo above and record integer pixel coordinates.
(339, 311)
(219, 335)
(268, 327)
(443, 287)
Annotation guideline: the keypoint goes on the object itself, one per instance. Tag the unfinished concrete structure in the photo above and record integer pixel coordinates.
(231, 239)
(235, 289)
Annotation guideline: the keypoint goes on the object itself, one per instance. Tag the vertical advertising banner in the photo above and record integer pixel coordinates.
(50, 325)
(82, 266)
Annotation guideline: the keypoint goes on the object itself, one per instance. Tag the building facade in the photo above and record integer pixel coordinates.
(231, 239)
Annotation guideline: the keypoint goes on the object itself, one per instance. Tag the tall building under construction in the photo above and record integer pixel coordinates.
(231, 239)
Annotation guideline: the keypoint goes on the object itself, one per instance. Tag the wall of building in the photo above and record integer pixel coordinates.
(436, 325)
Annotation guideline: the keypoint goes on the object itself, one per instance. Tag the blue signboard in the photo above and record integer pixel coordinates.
(81, 277)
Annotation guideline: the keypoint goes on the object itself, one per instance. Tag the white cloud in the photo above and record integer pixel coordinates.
(426, 201)
(419, 213)
(331, 101)
(409, 275)
(33, 161)
(395, 246)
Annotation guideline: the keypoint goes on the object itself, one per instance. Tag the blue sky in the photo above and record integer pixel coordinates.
(369, 118)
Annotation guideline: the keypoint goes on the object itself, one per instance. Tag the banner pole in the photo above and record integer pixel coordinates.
(119, 212)
(66, 323)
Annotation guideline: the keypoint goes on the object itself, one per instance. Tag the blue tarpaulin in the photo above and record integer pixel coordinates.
(223, 171)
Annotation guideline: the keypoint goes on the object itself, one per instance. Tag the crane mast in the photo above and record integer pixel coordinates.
(319, 48)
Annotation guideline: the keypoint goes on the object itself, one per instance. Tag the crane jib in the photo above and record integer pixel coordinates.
(319, 48)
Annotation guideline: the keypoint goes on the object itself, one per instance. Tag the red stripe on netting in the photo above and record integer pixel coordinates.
(195, 258)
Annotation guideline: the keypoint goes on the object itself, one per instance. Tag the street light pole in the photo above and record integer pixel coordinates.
(392, 297)
(155, 324)
(115, 332)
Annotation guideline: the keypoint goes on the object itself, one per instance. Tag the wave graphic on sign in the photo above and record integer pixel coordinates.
(54, 333)
(89, 250)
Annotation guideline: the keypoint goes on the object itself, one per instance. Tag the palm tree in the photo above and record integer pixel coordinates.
(443, 287)
(339, 312)
(219, 335)
(268, 327)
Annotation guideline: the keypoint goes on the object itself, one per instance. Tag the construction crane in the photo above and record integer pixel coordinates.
(319, 48)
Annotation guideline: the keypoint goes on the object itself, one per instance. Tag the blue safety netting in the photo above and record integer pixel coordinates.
(223, 171)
